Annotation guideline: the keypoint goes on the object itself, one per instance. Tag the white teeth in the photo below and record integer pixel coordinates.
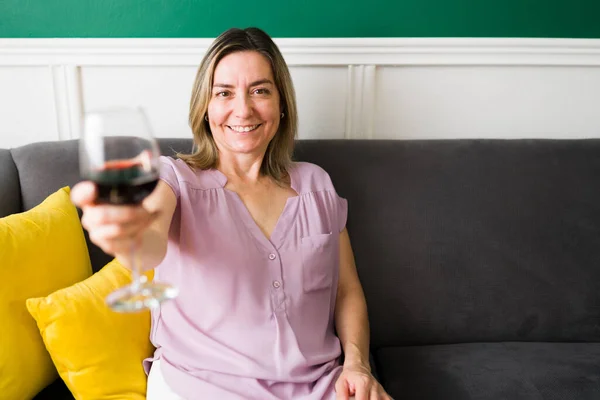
(244, 128)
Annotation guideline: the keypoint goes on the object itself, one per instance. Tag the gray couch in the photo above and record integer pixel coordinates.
(480, 259)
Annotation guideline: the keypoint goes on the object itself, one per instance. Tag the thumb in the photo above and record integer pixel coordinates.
(83, 194)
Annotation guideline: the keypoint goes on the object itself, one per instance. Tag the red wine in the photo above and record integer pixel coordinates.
(123, 182)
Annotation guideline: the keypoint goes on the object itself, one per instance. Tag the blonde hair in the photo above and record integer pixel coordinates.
(278, 156)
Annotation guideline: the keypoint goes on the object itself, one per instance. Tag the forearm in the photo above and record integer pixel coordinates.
(352, 325)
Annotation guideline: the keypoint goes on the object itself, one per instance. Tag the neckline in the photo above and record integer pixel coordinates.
(283, 221)
(222, 179)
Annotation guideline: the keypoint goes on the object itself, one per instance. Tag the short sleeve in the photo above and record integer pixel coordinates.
(168, 174)
(311, 178)
(342, 213)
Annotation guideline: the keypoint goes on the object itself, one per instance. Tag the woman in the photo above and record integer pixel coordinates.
(256, 244)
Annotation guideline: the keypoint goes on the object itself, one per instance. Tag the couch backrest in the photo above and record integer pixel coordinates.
(455, 241)
(10, 191)
(471, 240)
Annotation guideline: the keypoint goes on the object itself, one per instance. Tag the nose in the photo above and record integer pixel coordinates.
(242, 107)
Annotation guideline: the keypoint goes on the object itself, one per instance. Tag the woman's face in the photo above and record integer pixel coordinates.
(244, 110)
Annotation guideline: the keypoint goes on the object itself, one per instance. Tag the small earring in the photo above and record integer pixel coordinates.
(282, 115)
(206, 117)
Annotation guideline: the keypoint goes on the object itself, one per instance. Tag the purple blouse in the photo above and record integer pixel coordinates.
(255, 317)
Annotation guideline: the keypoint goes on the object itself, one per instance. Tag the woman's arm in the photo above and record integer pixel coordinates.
(352, 325)
(162, 203)
(351, 320)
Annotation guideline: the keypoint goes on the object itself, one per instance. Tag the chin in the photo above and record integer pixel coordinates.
(247, 148)
(249, 144)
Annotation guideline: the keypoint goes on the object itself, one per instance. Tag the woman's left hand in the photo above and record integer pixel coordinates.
(357, 381)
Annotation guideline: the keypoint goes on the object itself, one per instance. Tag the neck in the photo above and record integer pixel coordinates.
(242, 169)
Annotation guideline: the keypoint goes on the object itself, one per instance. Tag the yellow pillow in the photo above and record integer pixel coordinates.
(98, 352)
(41, 250)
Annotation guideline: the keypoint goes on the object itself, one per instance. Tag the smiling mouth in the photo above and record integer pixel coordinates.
(243, 129)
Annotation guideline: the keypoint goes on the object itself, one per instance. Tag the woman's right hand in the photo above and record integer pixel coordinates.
(112, 228)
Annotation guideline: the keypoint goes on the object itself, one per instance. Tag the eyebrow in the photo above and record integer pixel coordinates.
(255, 83)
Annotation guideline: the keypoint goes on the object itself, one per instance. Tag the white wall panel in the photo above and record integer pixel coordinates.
(353, 88)
(163, 92)
(487, 101)
(27, 106)
(321, 94)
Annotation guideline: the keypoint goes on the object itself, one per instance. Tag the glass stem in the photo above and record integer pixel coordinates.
(137, 278)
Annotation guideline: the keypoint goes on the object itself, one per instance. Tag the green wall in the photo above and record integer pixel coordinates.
(301, 18)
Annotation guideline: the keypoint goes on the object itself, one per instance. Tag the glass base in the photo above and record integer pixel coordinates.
(140, 296)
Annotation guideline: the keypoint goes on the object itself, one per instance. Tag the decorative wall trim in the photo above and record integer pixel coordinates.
(307, 51)
(360, 105)
(67, 89)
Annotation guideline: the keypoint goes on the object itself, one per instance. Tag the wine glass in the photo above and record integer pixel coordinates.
(119, 154)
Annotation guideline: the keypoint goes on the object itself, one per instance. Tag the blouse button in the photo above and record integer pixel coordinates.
(276, 284)
(272, 256)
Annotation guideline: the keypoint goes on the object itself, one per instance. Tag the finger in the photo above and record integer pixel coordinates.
(119, 232)
(111, 250)
(375, 393)
(362, 390)
(136, 230)
(133, 231)
(102, 215)
(111, 238)
(84, 193)
(114, 247)
(341, 389)
(95, 217)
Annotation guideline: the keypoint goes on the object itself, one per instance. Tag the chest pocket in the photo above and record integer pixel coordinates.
(318, 259)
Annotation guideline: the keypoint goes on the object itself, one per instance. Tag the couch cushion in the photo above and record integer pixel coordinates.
(515, 371)
(10, 195)
(100, 355)
(472, 240)
(41, 250)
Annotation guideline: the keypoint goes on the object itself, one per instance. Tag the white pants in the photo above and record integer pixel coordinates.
(157, 387)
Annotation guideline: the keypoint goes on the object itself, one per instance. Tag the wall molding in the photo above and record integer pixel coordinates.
(66, 85)
(309, 51)
(360, 102)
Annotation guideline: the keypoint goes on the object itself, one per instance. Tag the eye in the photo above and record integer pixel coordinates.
(262, 91)
(223, 93)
